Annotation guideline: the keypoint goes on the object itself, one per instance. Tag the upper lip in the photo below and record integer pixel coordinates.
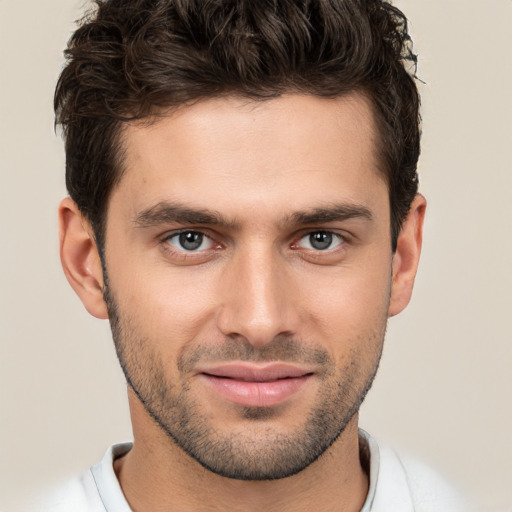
(252, 372)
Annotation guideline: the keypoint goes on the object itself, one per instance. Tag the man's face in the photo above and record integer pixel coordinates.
(249, 268)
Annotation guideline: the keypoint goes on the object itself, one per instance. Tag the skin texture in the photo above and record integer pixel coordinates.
(256, 185)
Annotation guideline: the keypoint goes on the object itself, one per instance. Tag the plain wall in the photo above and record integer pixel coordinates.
(444, 387)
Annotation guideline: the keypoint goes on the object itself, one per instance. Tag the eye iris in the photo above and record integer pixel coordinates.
(320, 240)
(191, 240)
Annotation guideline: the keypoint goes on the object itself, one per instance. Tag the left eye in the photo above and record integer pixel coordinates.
(320, 241)
(190, 241)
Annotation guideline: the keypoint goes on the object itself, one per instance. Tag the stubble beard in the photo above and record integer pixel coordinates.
(257, 452)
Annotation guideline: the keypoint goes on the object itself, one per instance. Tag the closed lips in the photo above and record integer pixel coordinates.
(253, 386)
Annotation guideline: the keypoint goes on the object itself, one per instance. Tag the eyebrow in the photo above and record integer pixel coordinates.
(169, 212)
(332, 213)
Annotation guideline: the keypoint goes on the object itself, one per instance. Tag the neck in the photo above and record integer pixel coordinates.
(158, 475)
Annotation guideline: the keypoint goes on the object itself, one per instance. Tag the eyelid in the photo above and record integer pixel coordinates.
(196, 256)
(341, 237)
(175, 236)
(179, 231)
(181, 254)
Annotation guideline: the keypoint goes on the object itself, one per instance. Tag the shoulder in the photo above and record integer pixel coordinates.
(94, 490)
(402, 483)
(407, 479)
(78, 495)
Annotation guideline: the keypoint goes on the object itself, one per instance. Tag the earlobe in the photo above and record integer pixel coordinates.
(80, 258)
(407, 255)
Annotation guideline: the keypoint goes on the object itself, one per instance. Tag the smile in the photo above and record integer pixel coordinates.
(256, 386)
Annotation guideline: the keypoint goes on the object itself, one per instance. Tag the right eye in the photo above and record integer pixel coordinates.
(190, 241)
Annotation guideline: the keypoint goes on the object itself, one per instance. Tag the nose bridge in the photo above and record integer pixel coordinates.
(256, 301)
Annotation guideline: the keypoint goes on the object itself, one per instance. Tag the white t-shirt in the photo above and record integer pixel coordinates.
(397, 484)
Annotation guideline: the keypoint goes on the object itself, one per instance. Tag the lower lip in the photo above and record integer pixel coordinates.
(256, 394)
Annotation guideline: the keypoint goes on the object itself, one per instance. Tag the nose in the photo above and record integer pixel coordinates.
(257, 298)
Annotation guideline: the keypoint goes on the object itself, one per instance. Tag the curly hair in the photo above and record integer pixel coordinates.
(131, 59)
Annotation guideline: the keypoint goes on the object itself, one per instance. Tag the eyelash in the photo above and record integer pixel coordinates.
(183, 254)
(311, 253)
(334, 238)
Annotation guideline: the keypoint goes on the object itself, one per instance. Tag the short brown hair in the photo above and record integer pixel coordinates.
(132, 58)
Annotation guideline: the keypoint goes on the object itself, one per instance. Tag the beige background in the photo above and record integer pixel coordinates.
(444, 389)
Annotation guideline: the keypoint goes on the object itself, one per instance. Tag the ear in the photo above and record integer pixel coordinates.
(80, 258)
(407, 255)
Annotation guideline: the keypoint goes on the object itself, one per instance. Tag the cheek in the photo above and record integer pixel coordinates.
(170, 306)
(348, 307)
(175, 306)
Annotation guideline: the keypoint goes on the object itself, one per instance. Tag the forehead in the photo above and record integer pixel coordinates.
(234, 152)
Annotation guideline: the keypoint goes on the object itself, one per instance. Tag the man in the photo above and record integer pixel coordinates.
(243, 208)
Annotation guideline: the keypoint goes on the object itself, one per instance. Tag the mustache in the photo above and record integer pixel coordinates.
(281, 348)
